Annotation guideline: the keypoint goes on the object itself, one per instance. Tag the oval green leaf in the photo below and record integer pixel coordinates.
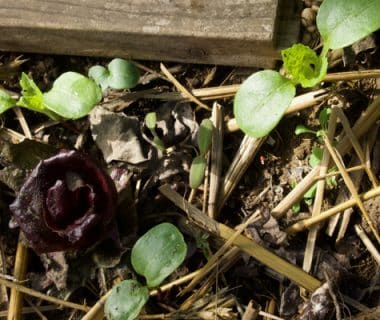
(6, 101)
(126, 300)
(204, 137)
(123, 74)
(151, 120)
(72, 96)
(158, 253)
(343, 22)
(197, 172)
(100, 76)
(261, 101)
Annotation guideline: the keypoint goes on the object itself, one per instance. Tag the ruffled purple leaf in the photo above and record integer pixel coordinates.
(68, 202)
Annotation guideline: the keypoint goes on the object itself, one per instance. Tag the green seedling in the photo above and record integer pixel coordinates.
(323, 120)
(198, 166)
(119, 74)
(154, 256)
(150, 122)
(263, 98)
(71, 97)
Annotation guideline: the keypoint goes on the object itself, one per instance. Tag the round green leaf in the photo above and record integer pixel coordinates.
(205, 136)
(6, 101)
(126, 300)
(72, 96)
(123, 74)
(197, 172)
(100, 76)
(261, 101)
(158, 253)
(343, 22)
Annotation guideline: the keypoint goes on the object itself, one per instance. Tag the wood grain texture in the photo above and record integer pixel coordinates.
(234, 32)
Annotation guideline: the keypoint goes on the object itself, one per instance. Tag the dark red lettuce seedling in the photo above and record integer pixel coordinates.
(68, 202)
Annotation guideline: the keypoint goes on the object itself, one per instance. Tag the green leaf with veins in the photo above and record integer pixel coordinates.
(261, 101)
(72, 95)
(343, 22)
(304, 66)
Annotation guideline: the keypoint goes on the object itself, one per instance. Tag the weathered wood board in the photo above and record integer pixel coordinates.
(230, 32)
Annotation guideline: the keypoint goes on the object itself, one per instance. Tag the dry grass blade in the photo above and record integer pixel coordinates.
(318, 201)
(182, 89)
(362, 125)
(307, 223)
(216, 159)
(368, 243)
(350, 185)
(19, 273)
(243, 158)
(42, 296)
(222, 250)
(352, 75)
(249, 246)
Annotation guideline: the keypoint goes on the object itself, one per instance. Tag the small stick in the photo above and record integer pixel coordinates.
(368, 243)
(362, 125)
(307, 223)
(182, 89)
(42, 296)
(23, 123)
(216, 159)
(36, 309)
(352, 75)
(335, 173)
(245, 244)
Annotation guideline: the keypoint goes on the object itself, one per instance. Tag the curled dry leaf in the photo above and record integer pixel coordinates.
(68, 202)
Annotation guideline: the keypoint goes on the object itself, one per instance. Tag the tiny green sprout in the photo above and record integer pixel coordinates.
(324, 117)
(315, 157)
(197, 172)
(150, 122)
(204, 137)
(6, 101)
(301, 129)
(120, 74)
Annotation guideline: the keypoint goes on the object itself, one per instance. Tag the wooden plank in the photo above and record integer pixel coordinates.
(231, 32)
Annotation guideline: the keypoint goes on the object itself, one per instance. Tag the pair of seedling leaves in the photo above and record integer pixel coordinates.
(263, 98)
(73, 95)
(154, 256)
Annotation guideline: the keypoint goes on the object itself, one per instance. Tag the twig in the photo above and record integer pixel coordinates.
(362, 125)
(352, 75)
(182, 89)
(42, 296)
(368, 243)
(216, 159)
(249, 246)
(307, 223)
